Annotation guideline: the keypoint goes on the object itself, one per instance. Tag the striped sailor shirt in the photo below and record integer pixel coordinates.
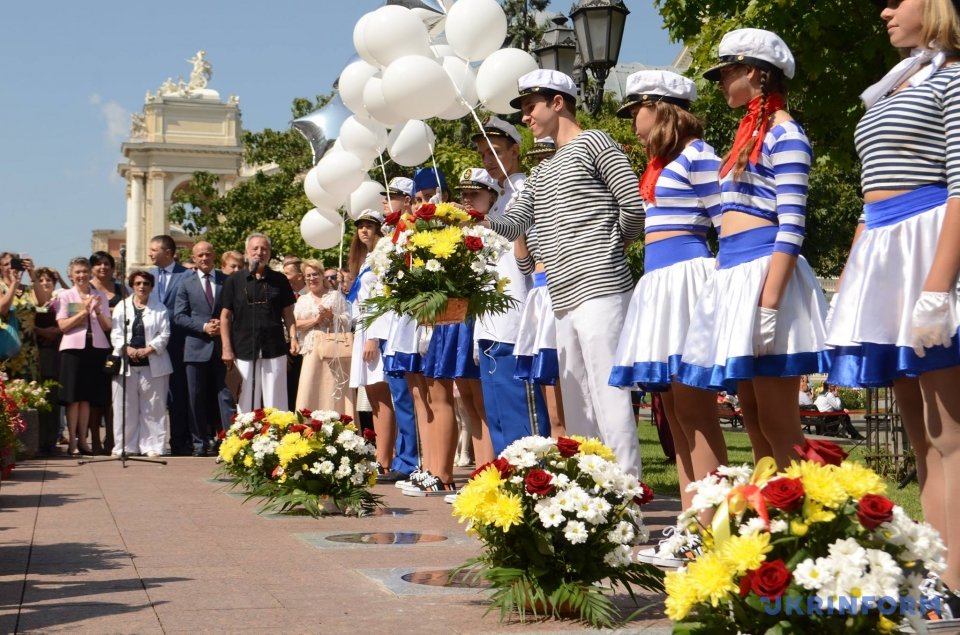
(912, 138)
(776, 187)
(687, 192)
(585, 202)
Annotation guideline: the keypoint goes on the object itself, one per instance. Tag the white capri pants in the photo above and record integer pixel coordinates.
(146, 412)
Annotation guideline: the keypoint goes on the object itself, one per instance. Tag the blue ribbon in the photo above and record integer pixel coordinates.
(355, 287)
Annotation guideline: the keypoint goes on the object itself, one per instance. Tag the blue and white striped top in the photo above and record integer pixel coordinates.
(912, 138)
(775, 188)
(687, 193)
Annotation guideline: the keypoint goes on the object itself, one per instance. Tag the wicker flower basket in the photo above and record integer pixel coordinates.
(454, 313)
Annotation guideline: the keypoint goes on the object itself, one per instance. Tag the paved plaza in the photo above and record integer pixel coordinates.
(158, 549)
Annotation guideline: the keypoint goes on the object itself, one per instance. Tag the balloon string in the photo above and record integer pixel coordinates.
(383, 171)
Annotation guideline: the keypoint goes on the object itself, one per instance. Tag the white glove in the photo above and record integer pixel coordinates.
(476, 352)
(934, 321)
(833, 305)
(764, 331)
(435, 199)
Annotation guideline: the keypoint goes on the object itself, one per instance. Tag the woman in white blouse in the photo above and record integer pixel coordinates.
(323, 328)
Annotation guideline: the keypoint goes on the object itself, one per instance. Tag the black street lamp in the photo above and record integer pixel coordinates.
(598, 28)
(558, 48)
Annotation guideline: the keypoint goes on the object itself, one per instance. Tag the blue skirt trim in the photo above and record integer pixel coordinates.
(648, 376)
(399, 364)
(670, 251)
(450, 353)
(746, 246)
(725, 377)
(542, 368)
(875, 365)
(896, 209)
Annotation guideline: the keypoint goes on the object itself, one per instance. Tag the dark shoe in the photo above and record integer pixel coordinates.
(201, 452)
(391, 477)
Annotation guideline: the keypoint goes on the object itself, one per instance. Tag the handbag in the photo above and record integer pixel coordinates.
(9, 337)
(111, 365)
(333, 345)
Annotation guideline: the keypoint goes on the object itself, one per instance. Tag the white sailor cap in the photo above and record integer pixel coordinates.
(478, 178)
(370, 215)
(496, 127)
(649, 87)
(543, 147)
(544, 81)
(754, 47)
(399, 185)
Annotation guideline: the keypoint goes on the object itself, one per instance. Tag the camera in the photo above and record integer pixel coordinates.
(17, 264)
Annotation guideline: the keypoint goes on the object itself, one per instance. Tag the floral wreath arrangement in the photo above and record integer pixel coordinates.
(438, 258)
(11, 426)
(556, 518)
(814, 548)
(302, 460)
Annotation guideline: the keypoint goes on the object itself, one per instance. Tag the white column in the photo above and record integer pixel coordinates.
(136, 253)
(157, 223)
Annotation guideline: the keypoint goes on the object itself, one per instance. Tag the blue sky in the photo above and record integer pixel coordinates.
(73, 72)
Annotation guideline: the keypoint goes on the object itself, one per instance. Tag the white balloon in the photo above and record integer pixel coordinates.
(351, 83)
(339, 173)
(440, 51)
(367, 196)
(316, 194)
(365, 138)
(411, 143)
(359, 42)
(393, 31)
(464, 79)
(498, 75)
(476, 28)
(321, 228)
(416, 87)
(377, 106)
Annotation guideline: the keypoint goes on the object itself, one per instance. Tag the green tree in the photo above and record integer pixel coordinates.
(523, 29)
(840, 49)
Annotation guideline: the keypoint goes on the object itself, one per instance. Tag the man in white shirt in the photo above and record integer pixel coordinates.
(829, 401)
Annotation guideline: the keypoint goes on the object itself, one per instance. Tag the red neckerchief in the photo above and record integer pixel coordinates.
(648, 182)
(745, 133)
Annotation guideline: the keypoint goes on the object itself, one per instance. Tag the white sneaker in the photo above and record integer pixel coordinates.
(450, 499)
(414, 481)
(674, 551)
(651, 555)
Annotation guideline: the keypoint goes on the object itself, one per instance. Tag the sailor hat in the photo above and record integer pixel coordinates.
(399, 185)
(754, 47)
(477, 179)
(649, 87)
(370, 215)
(494, 126)
(544, 82)
(543, 147)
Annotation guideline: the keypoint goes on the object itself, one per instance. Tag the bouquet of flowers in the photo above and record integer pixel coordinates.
(438, 255)
(302, 460)
(556, 518)
(11, 425)
(815, 548)
(30, 395)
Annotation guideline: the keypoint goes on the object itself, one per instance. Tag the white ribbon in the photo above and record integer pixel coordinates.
(908, 70)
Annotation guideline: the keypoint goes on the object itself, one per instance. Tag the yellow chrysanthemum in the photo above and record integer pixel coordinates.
(743, 553)
(423, 240)
(248, 460)
(681, 595)
(445, 242)
(798, 527)
(858, 480)
(473, 503)
(813, 512)
(450, 212)
(386, 290)
(820, 482)
(292, 446)
(506, 511)
(712, 577)
(595, 446)
(283, 420)
(418, 262)
(488, 479)
(502, 284)
(230, 446)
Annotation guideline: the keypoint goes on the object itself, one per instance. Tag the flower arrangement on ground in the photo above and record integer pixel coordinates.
(30, 395)
(302, 460)
(556, 518)
(11, 425)
(814, 548)
(437, 254)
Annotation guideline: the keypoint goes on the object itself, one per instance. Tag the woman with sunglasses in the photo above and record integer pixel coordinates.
(145, 372)
(895, 317)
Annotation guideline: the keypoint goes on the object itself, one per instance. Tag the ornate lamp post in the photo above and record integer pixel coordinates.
(598, 27)
(558, 49)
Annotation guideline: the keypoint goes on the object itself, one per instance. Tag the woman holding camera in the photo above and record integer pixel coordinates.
(22, 301)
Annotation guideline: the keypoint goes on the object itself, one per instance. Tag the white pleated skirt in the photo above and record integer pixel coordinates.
(404, 345)
(536, 345)
(719, 348)
(658, 316)
(883, 278)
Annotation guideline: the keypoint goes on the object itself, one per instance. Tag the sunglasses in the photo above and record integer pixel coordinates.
(331, 278)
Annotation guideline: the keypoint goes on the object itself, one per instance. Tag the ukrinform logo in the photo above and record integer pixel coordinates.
(815, 605)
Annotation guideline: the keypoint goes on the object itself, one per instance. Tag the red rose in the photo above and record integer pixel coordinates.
(315, 426)
(645, 496)
(567, 446)
(221, 435)
(426, 212)
(503, 466)
(369, 435)
(346, 419)
(393, 218)
(475, 215)
(259, 414)
(298, 427)
(538, 482)
(473, 243)
(480, 469)
(233, 418)
(784, 493)
(745, 583)
(874, 510)
(822, 452)
(770, 580)
(306, 413)
(247, 435)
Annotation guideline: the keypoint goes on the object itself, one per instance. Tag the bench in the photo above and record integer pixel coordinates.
(822, 423)
(728, 414)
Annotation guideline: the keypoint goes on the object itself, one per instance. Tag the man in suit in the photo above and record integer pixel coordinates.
(169, 274)
(197, 312)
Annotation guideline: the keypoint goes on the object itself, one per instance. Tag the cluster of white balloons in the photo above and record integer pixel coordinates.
(410, 69)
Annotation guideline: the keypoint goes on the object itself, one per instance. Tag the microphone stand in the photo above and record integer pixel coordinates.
(256, 340)
(123, 456)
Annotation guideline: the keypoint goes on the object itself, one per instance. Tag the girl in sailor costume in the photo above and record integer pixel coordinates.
(759, 323)
(682, 199)
(895, 319)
